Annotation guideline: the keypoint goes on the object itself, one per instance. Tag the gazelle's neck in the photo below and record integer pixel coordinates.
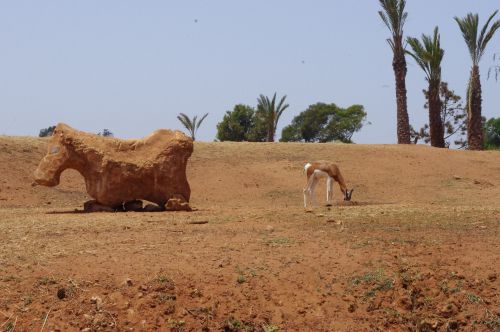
(340, 180)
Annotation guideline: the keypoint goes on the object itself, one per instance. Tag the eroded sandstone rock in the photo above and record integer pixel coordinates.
(119, 171)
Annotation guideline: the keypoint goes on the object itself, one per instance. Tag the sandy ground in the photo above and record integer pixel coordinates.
(416, 250)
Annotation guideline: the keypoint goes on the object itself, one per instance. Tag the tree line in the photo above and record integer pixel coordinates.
(320, 122)
(428, 54)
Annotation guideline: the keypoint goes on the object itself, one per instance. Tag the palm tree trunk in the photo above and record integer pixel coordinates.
(270, 135)
(271, 128)
(435, 120)
(403, 122)
(474, 118)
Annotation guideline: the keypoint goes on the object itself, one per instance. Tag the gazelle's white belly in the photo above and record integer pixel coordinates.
(320, 174)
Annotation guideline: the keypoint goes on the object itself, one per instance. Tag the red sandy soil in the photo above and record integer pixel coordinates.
(416, 250)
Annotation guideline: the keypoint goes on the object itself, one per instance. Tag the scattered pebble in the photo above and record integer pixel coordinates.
(61, 293)
(128, 282)
(97, 301)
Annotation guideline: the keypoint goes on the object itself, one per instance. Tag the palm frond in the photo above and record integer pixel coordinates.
(428, 54)
(418, 54)
(482, 47)
(482, 41)
(185, 120)
(201, 120)
(281, 108)
(191, 125)
(384, 18)
(272, 112)
(394, 17)
(402, 15)
(469, 25)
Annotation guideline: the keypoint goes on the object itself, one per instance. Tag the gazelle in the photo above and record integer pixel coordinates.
(324, 169)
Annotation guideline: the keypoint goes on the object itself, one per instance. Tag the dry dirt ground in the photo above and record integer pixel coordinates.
(416, 250)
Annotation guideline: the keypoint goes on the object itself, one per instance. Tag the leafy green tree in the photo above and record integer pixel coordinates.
(47, 131)
(236, 124)
(259, 131)
(469, 25)
(105, 133)
(394, 17)
(269, 113)
(309, 125)
(191, 125)
(428, 54)
(453, 117)
(324, 123)
(492, 134)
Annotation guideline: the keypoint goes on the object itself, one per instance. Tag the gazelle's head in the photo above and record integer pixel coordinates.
(348, 194)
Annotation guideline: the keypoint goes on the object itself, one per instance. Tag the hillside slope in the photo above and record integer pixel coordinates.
(238, 174)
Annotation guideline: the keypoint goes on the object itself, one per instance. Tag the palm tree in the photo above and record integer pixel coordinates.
(271, 113)
(394, 17)
(476, 44)
(428, 54)
(191, 125)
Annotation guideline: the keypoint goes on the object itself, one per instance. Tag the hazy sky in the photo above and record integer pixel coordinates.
(132, 66)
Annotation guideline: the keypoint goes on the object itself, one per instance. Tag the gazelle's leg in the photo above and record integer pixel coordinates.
(308, 189)
(329, 190)
(305, 197)
(313, 189)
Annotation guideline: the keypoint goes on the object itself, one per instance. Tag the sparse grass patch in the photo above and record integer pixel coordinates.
(241, 275)
(406, 279)
(368, 277)
(383, 285)
(490, 320)
(176, 325)
(9, 327)
(269, 328)
(165, 297)
(45, 281)
(392, 312)
(377, 278)
(27, 300)
(235, 325)
(447, 286)
(232, 324)
(278, 242)
(473, 298)
(163, 279)
(427, 300)
(241, 279)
